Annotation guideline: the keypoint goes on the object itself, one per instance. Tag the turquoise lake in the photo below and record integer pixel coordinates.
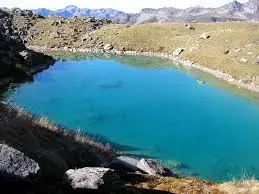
(147, 107)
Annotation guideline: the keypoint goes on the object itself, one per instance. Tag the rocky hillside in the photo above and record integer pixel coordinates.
(233, 11)
(16, 61)
(230, 12)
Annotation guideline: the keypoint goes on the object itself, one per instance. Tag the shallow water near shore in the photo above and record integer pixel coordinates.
(148, 107)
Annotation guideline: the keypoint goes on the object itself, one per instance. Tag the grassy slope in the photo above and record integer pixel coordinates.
(167, 37)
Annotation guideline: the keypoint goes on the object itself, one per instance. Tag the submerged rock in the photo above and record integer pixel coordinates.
(90, 178)
(16, 166)
(111, 85)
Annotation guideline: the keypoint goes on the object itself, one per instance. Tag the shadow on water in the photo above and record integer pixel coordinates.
(116, 146)
(136, 155)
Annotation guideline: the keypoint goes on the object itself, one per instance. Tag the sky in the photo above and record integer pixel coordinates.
(132, 6)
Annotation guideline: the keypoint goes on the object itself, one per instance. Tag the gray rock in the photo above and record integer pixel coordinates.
(128, 162)
(24, 53)
(244, 60)
(28, 13)
(148, 166)
(204, 36)
(257, 59)
(90, 178)
(55, 35)
(154, 168)
(86, 37)
(108, 47)
(15, 165)
(190, 27)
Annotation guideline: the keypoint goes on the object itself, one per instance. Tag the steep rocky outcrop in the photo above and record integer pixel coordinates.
(16, 61)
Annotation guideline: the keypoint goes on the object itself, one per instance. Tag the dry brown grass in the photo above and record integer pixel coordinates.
(180, 186)
(210, 53)
(240, 187)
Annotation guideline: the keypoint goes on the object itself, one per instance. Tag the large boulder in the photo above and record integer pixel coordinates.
(148, 166)
(257, 59)
(16, 166)
(154, 168)
(90, 178)
(123, 164)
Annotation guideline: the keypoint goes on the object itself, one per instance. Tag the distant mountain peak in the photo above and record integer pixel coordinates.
(233, 11)
(71, 7)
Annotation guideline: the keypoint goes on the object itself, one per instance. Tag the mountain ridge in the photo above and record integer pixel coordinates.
(233, 11)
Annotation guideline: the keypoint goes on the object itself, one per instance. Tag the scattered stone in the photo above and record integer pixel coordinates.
(204, 36)
(178, 51)
(237, 50)
(249, 45)
(190, 27)
(257, 59)
(108, 47)
(257, 80)
(226, 52)
(90, 178)
(122, 48)
(154, 168)
(86, 37)
(243, 60)
(55, 35)
(16, 166)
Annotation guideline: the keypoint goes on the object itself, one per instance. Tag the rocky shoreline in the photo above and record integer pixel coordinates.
(175, 59)
(17, 63)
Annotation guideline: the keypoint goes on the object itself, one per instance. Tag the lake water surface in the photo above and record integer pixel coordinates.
(144, 106)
